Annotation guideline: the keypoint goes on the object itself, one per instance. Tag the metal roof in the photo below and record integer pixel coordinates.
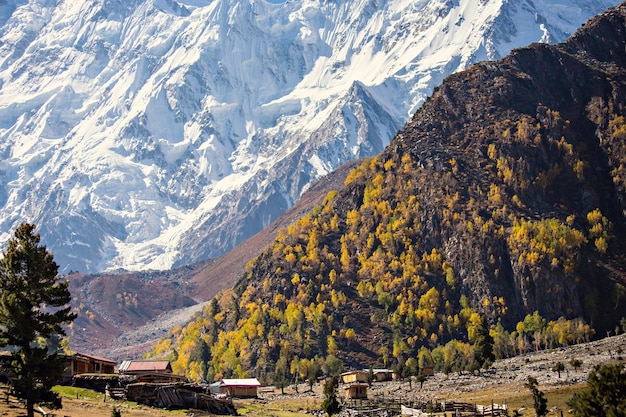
(241, 382)
(96, 358)
(138, 366)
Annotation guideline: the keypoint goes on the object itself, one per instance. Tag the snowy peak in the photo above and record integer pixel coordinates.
(133, 131)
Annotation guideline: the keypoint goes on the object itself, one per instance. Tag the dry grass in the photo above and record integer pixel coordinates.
(518, 398)
(82, 403)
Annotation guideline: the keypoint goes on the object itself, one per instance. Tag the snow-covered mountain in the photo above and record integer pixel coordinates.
(150, 133)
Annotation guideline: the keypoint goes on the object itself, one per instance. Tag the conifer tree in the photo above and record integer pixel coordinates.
(331, 405)
(33, 309)
(540, 403)
(483, 344)
(558, 368)
(604, 395)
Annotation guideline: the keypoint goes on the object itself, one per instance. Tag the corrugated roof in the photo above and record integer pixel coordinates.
(241, 382)
(97, 358)
(137, 366)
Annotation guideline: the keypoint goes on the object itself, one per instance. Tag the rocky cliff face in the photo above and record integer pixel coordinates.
(535, 138)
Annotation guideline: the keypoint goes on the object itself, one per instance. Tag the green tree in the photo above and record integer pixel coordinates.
(558, 368)
(33, 309)
(540, 403)
(312, 369)
(482, 344)
(411, 369)
(604, 395)
(280, 374)
(421, 378)
(330, 405)
(332, 365)
(576, 363)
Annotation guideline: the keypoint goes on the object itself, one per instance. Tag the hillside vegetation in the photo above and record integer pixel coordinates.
(497, 212)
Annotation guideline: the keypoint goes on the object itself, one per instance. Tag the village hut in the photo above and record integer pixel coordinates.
(150, 371)
(381, 375)
(355, 391)
(243, 387)
(351, 377)
(82, 363)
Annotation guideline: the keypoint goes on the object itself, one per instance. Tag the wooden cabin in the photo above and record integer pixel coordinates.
(81, 363)
(356, 391)
(150, 371)
(243, 387)
(428, 371)
(352, 377)
(381, 375)
(322, 380)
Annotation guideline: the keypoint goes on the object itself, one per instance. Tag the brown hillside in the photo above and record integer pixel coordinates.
(112, 306)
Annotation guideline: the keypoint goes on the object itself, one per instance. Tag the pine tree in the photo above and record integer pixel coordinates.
(33, 309)
(330, 404)
(604, 395)
(540, 403)
(483, 344)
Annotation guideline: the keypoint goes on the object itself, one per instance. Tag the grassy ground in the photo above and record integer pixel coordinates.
(283, 407)
(520, 399)
(79, 402)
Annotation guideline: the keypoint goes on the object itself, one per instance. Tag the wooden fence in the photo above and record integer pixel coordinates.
(377, 407)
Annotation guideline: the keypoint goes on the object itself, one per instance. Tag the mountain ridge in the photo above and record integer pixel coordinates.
(498, 208)
(134, 132)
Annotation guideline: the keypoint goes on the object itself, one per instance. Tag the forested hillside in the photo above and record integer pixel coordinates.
(498, 210)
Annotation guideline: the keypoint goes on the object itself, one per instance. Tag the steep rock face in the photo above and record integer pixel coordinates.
(536, 136)
(152, 133)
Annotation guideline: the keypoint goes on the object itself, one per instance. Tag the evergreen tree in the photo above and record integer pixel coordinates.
(330, 405)
(604, 395)
(540, 403)
(280, 374)
(483, 344)
(558, 368)
(33, 309)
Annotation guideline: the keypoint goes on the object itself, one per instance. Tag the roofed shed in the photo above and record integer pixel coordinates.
(150, 371)
(139, 367)
(243, 387)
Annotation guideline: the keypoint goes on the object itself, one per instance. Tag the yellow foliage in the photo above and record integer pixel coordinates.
(601, 244)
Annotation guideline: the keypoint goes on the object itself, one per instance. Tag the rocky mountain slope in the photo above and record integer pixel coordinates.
(122, 315)
(154, 133)
(503, 198)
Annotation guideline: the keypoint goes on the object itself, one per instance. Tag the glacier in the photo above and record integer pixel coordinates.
(147, 134)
